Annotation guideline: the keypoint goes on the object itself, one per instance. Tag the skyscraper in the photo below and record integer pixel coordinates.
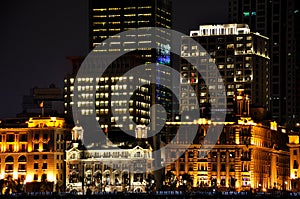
(242, 58)
(108, 18)
(276, 20)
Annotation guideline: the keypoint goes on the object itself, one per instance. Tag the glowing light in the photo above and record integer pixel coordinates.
(46, 122)
(29, 177)
(29, 148)
(273, 125)
(246, 14)
(50, 177)
(246, 121)
(293, 139)
(15, 175)
(2, 175)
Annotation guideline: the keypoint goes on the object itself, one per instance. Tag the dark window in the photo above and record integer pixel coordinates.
(44, 166)
(9, 159)
(9, 168)
(295, 152)
(214, 167)
(35, 177)
(173, 168)
(36, 136)
(36, 157)
(45, 147)
(10, 138)
(22, 168)
(36, 147)
(23, 138)
(45, 157)
(223, 182)
(36, 166)
(223, 167)
(22, 159)
(45, 136)
(231, 168)
(181, 167)
(296, 165)
(23, 148)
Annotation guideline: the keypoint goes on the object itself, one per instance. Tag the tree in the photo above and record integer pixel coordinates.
(187, 181)
(150, 182)
(171, 179)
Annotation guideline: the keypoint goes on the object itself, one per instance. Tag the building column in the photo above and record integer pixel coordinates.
(218, 167)
(227, 169)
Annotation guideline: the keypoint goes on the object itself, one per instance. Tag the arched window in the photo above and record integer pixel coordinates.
(22, 159)
(9, 159)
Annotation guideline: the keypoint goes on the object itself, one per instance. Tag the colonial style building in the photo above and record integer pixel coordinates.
(294, 146)
(119, 168)
(247, 155)
(34, 154)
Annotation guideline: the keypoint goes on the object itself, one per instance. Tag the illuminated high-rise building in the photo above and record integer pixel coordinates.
(108, 18)
(275, 19)
(242, 58)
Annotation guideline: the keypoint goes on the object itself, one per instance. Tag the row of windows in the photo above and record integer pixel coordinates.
(10, 167)
(126, 8)
(24, 137)
(12, 138)
(11, 159)
(36, 166)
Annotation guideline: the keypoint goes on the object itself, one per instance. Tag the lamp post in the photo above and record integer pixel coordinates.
(285, 185)
(82, 178)
(184, 186)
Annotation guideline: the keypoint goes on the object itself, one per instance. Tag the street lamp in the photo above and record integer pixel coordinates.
(285, 185)
(184, 185)
(82, 178)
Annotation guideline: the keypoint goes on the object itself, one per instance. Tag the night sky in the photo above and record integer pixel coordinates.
(37, 35)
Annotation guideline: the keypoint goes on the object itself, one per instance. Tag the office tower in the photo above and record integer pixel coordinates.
(108, 18)
(297, 35)
(106, 89)
(34, 155)
(242, 59)
(276, 20)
